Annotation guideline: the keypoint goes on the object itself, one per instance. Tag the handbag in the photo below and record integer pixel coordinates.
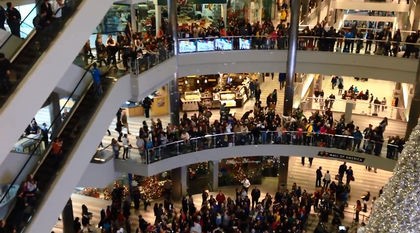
(352, 178)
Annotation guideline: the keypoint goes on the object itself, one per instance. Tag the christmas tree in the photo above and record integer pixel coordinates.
(398, 208)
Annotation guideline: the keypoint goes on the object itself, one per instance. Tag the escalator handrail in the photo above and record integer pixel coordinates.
(47, 150)
(22, 21)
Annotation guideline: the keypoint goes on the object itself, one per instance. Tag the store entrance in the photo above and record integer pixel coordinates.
(212, 91)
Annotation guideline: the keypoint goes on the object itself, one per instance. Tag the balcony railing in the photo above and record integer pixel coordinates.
(311, 43)
(297, 138)
(359, 106)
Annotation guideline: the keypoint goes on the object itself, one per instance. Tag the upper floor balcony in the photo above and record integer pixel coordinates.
(380, 5)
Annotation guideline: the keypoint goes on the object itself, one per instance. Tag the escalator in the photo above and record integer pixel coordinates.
(33, 48)
(40, 65)
(50, 167)
(89, 114)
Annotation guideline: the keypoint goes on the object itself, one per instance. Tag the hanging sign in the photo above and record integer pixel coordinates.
(341, 156)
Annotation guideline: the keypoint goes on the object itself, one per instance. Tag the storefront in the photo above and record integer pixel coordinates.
(150, 188)
(211, 91)
(232, 171)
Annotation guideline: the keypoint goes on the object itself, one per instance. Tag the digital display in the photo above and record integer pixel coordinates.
(205, 45)
(223, 44)
(186, 46)
(244, 43)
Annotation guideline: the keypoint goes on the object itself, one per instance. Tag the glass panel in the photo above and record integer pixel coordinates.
(341, 43)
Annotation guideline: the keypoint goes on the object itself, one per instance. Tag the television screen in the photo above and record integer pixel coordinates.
(186, 46)
(205, 45)
(223, 44)
(244, 43)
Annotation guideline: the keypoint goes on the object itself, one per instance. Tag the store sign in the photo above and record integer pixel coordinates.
(341, 156)
(243, 161)
(165, 2)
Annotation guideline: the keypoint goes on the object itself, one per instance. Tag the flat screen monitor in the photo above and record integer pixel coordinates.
(244, 43)
(223, 44)
(186, 46)
(205, 45)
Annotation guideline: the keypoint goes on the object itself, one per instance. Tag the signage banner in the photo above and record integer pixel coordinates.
(165, 2)
(341, 156)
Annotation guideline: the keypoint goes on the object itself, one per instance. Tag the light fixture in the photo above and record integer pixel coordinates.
(205, 80)
(186, 81)
(198, 81)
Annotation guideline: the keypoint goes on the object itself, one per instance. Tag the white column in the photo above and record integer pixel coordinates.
(133, 18)
(158, 17)
(224, 14)
(215, 176)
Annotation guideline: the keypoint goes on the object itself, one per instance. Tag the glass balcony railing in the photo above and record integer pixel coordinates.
(359, 106)
(296, 138)
(21, 211)
(309, 43)
(26, 54)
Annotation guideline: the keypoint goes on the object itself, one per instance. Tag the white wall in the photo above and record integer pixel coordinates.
(376, 67)
(12, 165)
(244, 151)
(70, 79)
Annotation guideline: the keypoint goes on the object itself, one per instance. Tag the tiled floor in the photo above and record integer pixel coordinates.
(304, 176)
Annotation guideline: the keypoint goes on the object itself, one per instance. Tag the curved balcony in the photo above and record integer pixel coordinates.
(271, 143)
(323, 55)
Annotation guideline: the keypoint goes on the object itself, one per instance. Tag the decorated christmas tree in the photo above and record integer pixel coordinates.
(398, 208)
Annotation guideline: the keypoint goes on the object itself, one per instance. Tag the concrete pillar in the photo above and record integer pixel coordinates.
(215, 181)
(304, 11)
(133, 19)
(416, 21)
(174, 100)
(179, 181)
(67, 217)
(291, 57)
(349, 110)
(283, 173)
(173, 23)
(224, 13)
(55, 113)
(158, 17)
(415, 103)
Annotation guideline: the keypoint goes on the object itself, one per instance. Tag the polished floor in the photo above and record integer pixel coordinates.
(303, 176)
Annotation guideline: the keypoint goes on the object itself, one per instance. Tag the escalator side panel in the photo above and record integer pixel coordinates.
(36, 86)
(62, 185)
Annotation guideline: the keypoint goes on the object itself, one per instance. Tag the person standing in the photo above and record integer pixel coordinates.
(255, 195)
(57, 8)
(2, 17)
(13, 19)
(147, 104)
(245, 184)
(341, 170)
(111, 48)
(4, 74)
(96, 76)
(349, 176)
(318, 177)
(327, 179)
(358, 208)
(126, 146)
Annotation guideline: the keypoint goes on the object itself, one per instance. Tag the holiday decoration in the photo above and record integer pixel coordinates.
(397, 210)
(151, 188)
